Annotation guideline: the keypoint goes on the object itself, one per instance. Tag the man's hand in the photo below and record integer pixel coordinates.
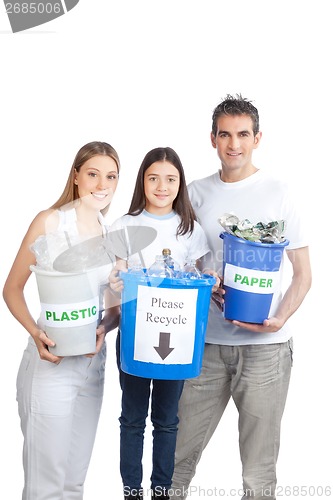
(270, 325)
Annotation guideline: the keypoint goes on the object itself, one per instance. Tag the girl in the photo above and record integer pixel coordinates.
(59, 399)
(161, 201)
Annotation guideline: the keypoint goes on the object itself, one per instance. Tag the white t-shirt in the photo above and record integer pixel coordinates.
(152, 234)
(259, 198)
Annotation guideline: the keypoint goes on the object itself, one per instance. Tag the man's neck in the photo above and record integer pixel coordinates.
(237, 175)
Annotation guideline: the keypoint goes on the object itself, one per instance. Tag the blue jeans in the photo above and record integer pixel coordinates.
(256, 378)
(165, 395)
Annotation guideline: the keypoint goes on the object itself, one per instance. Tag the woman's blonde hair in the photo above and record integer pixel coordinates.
(70, 193)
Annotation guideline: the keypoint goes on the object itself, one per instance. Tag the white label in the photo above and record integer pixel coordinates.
(165, 325)
(70, 315)
(251, 280)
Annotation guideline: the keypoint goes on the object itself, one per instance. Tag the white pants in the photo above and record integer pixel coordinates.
(59, 407)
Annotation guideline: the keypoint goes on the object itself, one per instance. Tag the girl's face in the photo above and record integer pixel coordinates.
(97, 180)
(161, 186)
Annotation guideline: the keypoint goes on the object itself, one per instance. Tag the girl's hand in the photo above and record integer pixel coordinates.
(217, 285)
(217, 297)
(42, 342)
(218, 280)
(217, 290)
(217, 294)
(117, 284)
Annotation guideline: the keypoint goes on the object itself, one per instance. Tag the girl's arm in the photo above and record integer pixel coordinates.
(116, 283)
(13, 291)
(110, 319)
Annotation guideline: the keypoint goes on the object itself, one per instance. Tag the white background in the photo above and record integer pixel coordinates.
(141, 74)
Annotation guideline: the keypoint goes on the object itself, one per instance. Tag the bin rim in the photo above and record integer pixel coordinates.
(254, 243)
(205, 280)
(44, 272)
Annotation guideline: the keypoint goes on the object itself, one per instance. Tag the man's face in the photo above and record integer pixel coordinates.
(234, 142)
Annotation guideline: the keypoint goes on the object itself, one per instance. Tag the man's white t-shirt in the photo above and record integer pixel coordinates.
(259, 198)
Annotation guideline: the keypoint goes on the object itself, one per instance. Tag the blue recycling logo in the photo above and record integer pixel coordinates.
(28, 14)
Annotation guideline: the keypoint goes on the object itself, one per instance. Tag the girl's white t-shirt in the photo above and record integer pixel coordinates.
(145, 235)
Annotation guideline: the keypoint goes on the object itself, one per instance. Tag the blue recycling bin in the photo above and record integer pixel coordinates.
(251, 275)
(163, 325)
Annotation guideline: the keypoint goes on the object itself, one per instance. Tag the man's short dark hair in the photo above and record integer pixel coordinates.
(236, 105)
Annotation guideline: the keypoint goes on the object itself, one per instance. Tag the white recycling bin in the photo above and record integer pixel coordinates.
(70, 308)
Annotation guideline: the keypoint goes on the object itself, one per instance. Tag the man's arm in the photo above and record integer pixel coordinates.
(294, 296)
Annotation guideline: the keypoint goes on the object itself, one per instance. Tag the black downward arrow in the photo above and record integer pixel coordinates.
(164, 348)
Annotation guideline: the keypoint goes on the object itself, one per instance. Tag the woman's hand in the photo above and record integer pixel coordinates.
(108, 323)
(100, 338)
(43, 342)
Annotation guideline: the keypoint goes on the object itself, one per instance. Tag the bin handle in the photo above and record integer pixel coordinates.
(68, 239)
(128, 243)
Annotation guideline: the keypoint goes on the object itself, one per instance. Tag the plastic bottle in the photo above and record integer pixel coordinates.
(191, 271)
(135, 267)
(170, 262)
(160, 269)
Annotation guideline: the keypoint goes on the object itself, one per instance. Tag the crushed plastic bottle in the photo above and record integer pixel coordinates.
(135, 267)
(160, 269)
(191, 271)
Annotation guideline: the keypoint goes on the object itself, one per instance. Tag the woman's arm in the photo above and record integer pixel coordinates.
(13, 291)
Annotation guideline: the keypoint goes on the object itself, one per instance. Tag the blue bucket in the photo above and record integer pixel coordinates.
(163, 325)
(251, 275)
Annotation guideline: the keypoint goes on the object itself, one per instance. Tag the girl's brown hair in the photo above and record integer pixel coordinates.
(181, 204)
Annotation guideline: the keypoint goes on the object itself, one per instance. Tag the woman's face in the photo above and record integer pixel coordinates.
(161, 186)
(97, 180)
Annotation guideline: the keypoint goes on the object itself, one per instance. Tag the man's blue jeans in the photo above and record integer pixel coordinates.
(136, 393)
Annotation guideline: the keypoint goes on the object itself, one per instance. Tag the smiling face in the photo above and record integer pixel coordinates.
(161, 185)
(234, 142)
(97, 180)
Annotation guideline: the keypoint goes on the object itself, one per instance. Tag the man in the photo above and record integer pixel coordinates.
(250, 363)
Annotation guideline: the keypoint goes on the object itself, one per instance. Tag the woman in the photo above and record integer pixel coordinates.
(59, 399)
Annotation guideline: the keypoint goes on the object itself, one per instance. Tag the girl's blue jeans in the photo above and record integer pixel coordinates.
(136, 395)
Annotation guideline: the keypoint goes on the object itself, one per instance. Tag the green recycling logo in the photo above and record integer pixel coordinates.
(26, 14)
